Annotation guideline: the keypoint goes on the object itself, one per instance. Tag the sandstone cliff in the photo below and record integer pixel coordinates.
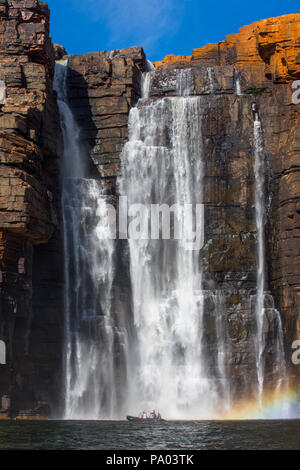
(257, 65)
(265, 48)
(103, 86)
(29, 206)
(265, 58)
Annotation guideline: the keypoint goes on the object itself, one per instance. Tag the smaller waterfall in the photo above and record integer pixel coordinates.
(238, 89)
(274, 318)
(146, 80)
(260, 219)
(221, 338)
(210, 79)
(93, 335)
(185, 82)
(110, 54)
(73, 164)
(264, 316)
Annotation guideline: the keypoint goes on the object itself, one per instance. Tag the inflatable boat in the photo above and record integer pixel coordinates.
(137, 419)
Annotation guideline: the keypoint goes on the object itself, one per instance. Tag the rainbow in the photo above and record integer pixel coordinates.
(275, 405)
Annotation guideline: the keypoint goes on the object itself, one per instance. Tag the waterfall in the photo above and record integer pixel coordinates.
(165, 364)
(260, 278)
(210, 79)
(221, 338)
(162, 163)
(238, 89)
(146, 80)
(264, 315)
(92, 334)
(185, 82)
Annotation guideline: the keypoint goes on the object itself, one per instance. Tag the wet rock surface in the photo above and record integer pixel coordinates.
(102, 87)
(259, 64)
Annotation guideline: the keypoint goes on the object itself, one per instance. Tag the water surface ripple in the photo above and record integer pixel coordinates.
(173, 435)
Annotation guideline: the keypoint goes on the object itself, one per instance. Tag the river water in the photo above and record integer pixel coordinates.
(173, 435)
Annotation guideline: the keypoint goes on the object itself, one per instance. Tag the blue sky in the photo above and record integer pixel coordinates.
(161, 27)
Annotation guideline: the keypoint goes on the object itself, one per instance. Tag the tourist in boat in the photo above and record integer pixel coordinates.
(149, 415)
(146, 416)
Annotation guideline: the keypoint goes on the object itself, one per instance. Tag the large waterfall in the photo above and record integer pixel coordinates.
(162, 164)
(168, 362)
(92, 334)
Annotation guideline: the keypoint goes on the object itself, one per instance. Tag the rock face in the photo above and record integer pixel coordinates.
(103, 86)
(257, 65)
(30, 309)
(229, 252)
(263, 60)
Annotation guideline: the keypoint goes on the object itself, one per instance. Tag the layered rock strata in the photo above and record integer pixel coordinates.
(256, 66)
(30, 251)
(262, 64)
(102, 87)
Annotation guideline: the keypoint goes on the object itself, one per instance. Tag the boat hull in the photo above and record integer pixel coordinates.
(143, 420)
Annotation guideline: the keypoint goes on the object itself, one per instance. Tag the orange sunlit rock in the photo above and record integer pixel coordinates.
(272, 44)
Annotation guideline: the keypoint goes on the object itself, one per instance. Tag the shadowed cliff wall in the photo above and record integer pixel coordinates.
(30, 249)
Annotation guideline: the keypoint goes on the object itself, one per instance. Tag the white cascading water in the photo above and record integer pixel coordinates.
(184, 82)
(211, 82)
(238, 89)
(163, 163)
(146, 80)
(221, 341)
(261, 294)
(91, 331)
(260, 278)
(165, 367)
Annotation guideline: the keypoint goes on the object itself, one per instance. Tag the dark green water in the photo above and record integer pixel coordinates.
(122, 435)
